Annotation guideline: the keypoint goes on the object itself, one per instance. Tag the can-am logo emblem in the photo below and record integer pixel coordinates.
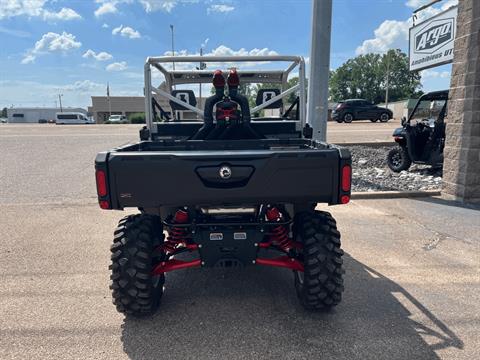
(435, 35)
(225, 172)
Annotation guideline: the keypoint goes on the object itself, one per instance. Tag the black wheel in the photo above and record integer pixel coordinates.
(339, 120)
(348, 118)
(373, 120)
(320, 286)
(398, 159)
(135, 291)
(384, 117)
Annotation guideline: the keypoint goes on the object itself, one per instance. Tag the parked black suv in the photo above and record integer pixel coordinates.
(359, 109)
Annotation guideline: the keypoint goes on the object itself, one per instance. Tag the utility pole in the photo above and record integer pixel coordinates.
(173, 46)
(201, 66)
(109, 102)
(173, 51)
(387, 80)
(60, 101)
(317, 111)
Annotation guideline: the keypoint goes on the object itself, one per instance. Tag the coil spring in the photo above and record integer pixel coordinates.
(176, 234)
(280, 237)
(279, 234)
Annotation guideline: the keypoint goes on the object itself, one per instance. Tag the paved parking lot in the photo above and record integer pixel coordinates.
(412, 282)
(358, 131)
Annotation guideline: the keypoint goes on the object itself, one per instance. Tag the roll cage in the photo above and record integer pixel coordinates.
(176, 77)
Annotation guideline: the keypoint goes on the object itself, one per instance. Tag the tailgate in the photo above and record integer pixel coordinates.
(174, 178)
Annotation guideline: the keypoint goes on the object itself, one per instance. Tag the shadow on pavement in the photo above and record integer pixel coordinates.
(219, 314)
(458, 204)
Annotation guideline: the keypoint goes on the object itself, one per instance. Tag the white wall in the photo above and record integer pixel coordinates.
(32, 115)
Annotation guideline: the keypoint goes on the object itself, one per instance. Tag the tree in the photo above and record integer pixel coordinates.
(3, 114)
(365, 77)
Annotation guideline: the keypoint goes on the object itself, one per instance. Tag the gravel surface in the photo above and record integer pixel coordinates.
(371, 173)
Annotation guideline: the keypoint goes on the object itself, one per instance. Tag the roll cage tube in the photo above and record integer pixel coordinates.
(202, 76)
(435, 95)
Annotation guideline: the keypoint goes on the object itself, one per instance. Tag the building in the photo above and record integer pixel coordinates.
(38, 114)
(103, 106)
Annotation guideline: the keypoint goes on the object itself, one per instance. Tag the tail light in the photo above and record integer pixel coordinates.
(345, 199)
(101, 183)
(102, 189)
(345, 184)
(346, 178)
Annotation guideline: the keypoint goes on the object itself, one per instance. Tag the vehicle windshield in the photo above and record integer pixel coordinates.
(428, 110)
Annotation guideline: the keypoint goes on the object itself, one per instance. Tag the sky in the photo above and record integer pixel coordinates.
(76, 47)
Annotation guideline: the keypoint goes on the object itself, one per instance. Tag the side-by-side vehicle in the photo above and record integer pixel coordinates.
(230, 189)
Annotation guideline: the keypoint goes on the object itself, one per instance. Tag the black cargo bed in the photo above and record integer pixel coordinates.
(174, 173)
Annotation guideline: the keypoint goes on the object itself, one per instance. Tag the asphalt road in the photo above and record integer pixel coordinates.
(412, 281)
(357, 131)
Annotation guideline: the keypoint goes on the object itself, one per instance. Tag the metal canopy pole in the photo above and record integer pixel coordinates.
(317, 112)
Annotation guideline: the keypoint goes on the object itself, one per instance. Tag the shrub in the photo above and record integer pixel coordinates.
(137, 118)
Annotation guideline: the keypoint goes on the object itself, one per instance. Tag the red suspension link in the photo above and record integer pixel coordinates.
(279, 235)
(176, 235)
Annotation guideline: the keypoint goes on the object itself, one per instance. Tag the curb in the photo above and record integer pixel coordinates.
(369, 144)
(366, 195)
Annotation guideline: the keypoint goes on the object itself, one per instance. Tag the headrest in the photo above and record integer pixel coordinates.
(233, 80)
(264, 95)
(187, 96)
(218, 79)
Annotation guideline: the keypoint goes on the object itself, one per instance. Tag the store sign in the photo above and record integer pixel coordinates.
(431, 42)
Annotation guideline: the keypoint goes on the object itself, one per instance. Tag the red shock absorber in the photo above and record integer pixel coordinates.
(176, 234)
(279, 235)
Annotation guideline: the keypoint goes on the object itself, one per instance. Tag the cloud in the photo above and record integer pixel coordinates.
(390, 34)
(52, 42)
(35, 8)
(109, 7)
(117, 66)
(43, 93)
(220, 8)
(223, 50)
(393, 34)
(64, 14)
(126, 32)
(105, 26)
(13, 32)
(12, 8)
(163, 5)
(101, 56)
(204, 43)
(84, 86)
(435, 74)
(28, 59)
(416, 3)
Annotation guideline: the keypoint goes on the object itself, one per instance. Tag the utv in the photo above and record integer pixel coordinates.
(421, 139)
(231, 189)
